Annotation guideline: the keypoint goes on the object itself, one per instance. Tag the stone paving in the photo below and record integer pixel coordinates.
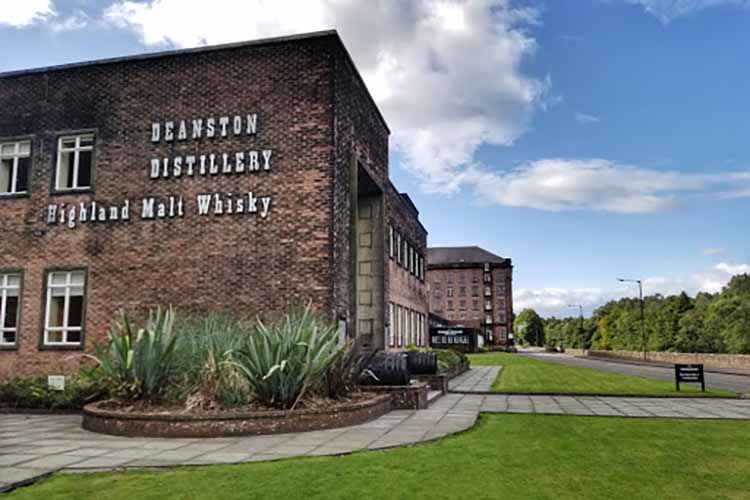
(478, 379)
(32, 446)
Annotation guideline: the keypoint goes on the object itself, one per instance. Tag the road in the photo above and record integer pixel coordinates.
(736, 383)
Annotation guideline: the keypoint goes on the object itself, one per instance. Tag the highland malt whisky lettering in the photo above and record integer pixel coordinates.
(83, 213)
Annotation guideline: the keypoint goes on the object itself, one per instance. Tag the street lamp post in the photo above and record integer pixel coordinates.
(583, 336)
(644, 343)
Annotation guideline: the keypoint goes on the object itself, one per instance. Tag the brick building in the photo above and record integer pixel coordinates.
(472, 287)
(245, 177)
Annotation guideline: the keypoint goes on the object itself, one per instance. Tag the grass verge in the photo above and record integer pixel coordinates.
(504, 457)
(527, 375)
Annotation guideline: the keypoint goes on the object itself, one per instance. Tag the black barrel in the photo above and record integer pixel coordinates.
(422, 363)
(388, 368)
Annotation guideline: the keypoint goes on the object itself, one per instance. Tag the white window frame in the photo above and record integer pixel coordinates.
(76, 150)
(391, 326)
(65, 329)
(5, 288)
(15, 156)
(391, 238)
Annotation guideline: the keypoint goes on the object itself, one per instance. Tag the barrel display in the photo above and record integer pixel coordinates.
(388, 368)
(422, 363)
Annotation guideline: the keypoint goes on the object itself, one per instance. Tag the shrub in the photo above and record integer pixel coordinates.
(282, 361)
(138, 363)
(344, 374)
(205, 356)
(34, 393)
(449, 359)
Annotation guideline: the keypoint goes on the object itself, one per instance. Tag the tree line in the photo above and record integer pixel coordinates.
(710, 323)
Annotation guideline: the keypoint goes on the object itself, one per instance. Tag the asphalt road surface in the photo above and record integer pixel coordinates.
(736, 383)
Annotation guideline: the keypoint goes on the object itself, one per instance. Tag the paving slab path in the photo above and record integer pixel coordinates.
(33, 446)
(478, 379)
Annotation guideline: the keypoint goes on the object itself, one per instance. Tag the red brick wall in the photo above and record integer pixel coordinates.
(241, 263)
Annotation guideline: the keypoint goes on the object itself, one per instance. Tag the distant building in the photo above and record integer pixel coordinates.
(472, 287)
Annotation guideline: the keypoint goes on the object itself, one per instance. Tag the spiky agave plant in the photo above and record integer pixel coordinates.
(283, 360)
(137, 362)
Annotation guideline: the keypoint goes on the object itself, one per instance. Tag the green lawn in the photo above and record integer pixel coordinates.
(522, 374)
(504, 457)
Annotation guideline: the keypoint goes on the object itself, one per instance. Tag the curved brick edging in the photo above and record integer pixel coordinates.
(119, 423)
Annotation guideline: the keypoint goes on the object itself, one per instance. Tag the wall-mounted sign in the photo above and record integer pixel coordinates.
(193, 165)
(56, 382)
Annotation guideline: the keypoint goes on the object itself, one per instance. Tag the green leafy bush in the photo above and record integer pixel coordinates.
(449, 359)
(138, 363)
(34, 393)
(283, 361)
(205, 355)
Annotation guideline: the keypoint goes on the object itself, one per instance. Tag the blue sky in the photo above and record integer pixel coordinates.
(586, 140)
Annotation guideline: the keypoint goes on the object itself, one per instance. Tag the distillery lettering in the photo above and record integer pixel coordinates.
(210, 163)
(194, 164)
(170, 207)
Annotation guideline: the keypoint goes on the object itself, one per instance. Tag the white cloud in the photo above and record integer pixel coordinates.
(713, 251)
(596, 184)
(669, 10)
(586, 119)
(555, 301)
(78, 20)
(25, 12)
(446, 74)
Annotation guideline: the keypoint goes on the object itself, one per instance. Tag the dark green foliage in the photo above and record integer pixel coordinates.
(34, 393)
(530, 328)
(139, 363)
(714, 323)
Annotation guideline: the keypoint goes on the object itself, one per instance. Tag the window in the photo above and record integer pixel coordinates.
(398, 248)
(436, 294)
(449, 292)
(391, 250)
(63, 325)
(487, 305)
(475, 291)
(405, 251)
(486, 267)
(449, 279)
(462, 278)
(450, 305)
(487, 278)
(391, 326)
(462, 291)
(487, 291)
(474, 278)
(15, 161)
(462, 305)
(10, 305)
(488, 319)
(475, 304)
(75, 162)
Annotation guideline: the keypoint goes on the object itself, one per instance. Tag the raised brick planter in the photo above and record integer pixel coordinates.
(135, 424)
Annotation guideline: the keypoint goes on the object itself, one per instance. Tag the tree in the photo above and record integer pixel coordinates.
(530, 327)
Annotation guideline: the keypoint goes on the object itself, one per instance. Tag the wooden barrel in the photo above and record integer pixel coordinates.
(388, 368)
(422, 363)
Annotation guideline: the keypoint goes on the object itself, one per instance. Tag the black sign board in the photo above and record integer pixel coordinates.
(458, 338)
(690, 374)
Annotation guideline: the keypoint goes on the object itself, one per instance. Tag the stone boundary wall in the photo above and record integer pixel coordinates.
(120, 423)
(707, 359)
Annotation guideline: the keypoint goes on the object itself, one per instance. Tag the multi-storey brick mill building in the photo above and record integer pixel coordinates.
(472, 287)
(244, 178)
